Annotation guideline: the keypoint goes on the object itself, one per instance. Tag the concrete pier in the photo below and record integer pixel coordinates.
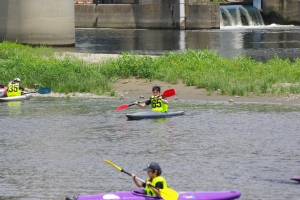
(35, 22)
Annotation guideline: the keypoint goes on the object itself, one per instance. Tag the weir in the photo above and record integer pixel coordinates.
(237, 15)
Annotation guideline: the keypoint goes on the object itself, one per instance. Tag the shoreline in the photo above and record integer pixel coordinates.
(136, 88)
(140, 89)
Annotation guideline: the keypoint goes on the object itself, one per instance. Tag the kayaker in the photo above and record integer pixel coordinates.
(159, 103)
(15, 88)
(155, 179)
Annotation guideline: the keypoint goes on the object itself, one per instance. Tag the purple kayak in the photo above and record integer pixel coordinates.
(139, 195)
(296, 179)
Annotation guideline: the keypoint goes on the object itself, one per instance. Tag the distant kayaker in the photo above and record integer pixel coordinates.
(155, 179)
(15, 88)
(158, 102)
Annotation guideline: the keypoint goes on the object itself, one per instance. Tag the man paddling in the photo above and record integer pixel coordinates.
(159, 103)
(14, 88)
(154, 182)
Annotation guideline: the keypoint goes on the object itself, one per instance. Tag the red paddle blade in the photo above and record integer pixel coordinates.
(169, 93)
(122, 107)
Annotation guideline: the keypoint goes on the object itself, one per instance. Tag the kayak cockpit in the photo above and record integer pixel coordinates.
(141, 193)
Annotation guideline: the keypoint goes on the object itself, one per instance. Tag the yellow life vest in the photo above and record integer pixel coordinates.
(158, 105)
(13, 89)
(149, 191)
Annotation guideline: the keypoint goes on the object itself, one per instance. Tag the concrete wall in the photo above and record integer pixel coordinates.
(191, 2)
(147, 14)
(202, 16)
(106, 1)
(158, 16)
(126, 16)
(105, 16)
(281, 11)
(48, 22)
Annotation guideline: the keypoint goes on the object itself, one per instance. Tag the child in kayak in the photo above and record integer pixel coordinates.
(15, 88)
(159, 103)
(158, 182)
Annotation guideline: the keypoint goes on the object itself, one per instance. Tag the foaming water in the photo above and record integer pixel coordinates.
(271, 26)
(53, 148)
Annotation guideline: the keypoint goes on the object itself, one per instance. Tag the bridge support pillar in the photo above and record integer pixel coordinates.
(38, 22)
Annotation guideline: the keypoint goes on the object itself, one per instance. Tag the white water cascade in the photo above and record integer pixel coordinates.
(238, 15)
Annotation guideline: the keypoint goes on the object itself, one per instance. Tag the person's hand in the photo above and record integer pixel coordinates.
(148, 183)
(136, 103)
(133, 176)
(158, 97)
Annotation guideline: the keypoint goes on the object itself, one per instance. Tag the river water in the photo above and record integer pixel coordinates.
(51, 148)
(260, 42)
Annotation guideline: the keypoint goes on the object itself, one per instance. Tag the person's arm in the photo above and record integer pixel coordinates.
(139, 184)
(143, 105)
(23, 88)
(158, 185)
(163, 99)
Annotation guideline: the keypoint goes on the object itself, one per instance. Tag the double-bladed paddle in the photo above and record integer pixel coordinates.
(42, 91)
(167, 93)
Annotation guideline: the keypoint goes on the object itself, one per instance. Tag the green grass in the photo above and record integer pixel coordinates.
(40, 66)
(201, 68)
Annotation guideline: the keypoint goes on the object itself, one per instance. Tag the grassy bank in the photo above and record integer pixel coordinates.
(204, 69)
(40, 66)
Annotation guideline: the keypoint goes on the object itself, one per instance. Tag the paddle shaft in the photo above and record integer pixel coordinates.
(29, 92)
(140, 102)
(42, 91)
(135, 177)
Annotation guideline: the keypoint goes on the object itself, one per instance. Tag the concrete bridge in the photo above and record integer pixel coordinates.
(53, 22)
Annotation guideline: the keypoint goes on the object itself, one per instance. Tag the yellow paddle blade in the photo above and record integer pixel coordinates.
(112, 164)
(168, 194)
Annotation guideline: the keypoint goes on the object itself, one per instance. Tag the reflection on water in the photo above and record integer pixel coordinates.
(14, 108)
(261, 43)
(56, 147)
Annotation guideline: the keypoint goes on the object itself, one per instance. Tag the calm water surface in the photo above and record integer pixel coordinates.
(50, 148)
(261, 43)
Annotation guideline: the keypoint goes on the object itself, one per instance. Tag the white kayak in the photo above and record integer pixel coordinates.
(16, 98)
(153, 115)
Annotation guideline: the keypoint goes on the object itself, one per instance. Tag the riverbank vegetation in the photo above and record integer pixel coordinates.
(201, 68)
